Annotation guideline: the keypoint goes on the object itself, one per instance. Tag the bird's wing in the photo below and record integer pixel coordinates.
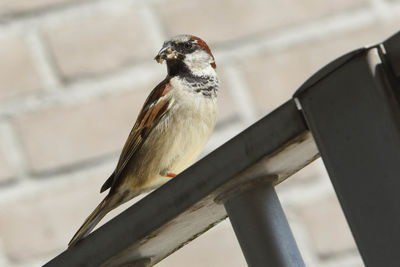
(156, 106)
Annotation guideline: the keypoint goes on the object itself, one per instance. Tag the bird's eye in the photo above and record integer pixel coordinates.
(187, 45)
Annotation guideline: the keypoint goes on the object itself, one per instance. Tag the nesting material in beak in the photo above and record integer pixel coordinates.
(159, 59)
(166, 53)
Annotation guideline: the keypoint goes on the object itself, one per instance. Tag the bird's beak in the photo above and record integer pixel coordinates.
(166, 52)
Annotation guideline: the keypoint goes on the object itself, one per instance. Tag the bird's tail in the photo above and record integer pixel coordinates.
(94, 218)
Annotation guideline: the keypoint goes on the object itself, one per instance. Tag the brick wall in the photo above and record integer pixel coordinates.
(74, 73)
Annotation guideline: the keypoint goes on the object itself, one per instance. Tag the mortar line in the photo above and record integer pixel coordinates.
(14, 150)
(43, 62)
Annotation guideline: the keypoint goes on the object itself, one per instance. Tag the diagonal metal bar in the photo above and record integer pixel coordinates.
(176, 213)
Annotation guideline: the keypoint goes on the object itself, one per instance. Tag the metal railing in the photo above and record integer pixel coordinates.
(350, 107)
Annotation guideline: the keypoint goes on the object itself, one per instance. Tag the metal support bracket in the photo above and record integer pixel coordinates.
(351, 107)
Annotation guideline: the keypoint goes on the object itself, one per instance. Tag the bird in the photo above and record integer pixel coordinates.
(171, 129)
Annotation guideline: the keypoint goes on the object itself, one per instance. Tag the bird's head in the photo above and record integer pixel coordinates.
(185, 53)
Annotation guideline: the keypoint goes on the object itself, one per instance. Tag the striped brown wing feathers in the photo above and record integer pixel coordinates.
(155, 107)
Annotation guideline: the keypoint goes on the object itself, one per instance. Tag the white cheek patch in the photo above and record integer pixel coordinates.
(199, 62)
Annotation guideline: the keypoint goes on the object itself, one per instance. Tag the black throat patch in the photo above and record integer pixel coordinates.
(206, 85)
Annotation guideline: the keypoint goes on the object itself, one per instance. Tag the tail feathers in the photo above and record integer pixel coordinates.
(94, 218)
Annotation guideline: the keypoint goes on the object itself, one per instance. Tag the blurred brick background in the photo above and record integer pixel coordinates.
(74, 73)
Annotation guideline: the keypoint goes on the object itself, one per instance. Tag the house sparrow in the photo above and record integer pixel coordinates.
(171, 130)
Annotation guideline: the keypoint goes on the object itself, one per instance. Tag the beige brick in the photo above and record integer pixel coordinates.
(7, 170)
(64, 136)
(327, 227)
(226, 107)
(99, 43)
(274, 77)
(18, 75)
(10, 7)
(221, 21)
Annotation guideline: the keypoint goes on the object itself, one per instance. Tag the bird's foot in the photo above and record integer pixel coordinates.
(171, 175)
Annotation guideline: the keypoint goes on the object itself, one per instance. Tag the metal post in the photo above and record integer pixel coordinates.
(261, 227)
